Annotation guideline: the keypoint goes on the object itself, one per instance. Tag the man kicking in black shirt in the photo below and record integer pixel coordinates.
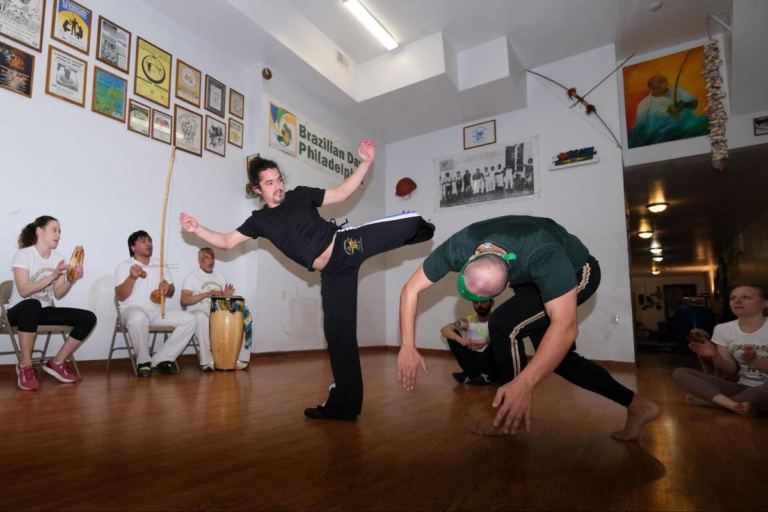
(291, 222)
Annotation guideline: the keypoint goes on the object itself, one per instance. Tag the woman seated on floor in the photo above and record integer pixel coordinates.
(739, 346)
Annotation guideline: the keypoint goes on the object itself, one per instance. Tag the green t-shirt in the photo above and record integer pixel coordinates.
(547, 255)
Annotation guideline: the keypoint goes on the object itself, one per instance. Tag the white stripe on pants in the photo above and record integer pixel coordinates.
(203, 335)
(137, 321)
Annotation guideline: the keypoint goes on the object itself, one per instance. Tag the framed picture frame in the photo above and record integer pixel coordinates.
(71, 25)
(24, 24)
(189, 82)
(236, 130)
(113, 45)
(215, 96)
(760, 125)
(236, 104)
(188, 130)
(215, 136)
(109, 94)
(162, 126)
(480, 134)
(139, 118)
(17, 70)
(153, 73)
(67, 76)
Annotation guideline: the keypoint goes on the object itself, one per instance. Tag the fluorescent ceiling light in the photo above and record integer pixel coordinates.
(645, 234)
(657, 207)
(373, 26)
(656, 250)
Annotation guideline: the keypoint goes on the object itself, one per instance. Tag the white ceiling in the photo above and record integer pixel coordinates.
(539, 31)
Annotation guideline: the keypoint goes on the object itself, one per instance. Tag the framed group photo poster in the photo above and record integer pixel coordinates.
(71, 25)
(215, 136)
(188, 83)
(215, 96)
(17, 70)
(109, 94)
(153, 73)
(24, 23)
(236, 104)
(162, 126)
(139, 117)
(236, 133)
(113, 45)
(188, 130)
(66, 76)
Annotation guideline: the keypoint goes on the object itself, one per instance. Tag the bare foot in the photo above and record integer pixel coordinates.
(486, 430)
(639, 413)
(698, 402)
(746, 409)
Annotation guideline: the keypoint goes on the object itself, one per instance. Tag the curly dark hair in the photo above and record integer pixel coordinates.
(28, 236)
(256, 166)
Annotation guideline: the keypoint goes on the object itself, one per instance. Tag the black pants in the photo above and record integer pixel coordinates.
(472, 362)
(339, 293)
(524, 316)
(29, 313)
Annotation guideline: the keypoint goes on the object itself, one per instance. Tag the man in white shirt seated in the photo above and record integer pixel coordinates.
(470, 351)
(199, 286)
(136, 278)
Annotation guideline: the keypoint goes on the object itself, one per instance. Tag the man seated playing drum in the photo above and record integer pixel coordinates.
(136, 279)
(199, 286)
(290, 220)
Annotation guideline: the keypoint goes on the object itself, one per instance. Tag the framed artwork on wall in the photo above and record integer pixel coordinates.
(71, 25)
(215, 136)
(760, 125)
(236, 104)
(24, 23)
(66, 76)
(236, 133)
(153, 73)
(139, 117)
(188, 83)
(109, 94)
(188, 130)
(17, 70)
(113, 45)
(215, 96)
(480, 134)
(162, 126)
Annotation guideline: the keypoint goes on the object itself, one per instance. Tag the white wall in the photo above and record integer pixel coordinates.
(288, 309)
(103, 182)
(587, 200)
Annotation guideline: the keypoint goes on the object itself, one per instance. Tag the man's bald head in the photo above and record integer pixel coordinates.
(487, 276)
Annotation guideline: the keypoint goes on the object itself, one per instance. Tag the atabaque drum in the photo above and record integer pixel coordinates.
(226, 330)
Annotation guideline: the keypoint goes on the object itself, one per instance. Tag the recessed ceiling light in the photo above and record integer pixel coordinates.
(645, 234)
(373, 26)
(657, 207)
(655, 6)
(658, 258)
(656, 271)
(656, 250)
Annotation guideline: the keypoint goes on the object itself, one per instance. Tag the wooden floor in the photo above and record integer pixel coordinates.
(239, 441)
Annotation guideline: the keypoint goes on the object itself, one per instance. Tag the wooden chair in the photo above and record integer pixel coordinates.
(154, 330)
(6, 289)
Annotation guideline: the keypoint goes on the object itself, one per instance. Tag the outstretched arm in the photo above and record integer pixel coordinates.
(409, 360)
(515, 399)
(366, 152)
(216, 239)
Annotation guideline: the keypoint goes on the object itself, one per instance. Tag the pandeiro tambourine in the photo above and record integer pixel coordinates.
(78, 257)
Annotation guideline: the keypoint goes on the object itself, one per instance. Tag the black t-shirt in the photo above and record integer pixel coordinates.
(547, 255)
(294, 226)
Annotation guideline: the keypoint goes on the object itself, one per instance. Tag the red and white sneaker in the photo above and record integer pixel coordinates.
(59, 371)
(27, 380)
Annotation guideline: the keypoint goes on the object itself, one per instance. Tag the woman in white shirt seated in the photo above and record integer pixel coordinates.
(39, 277)
(740, 346)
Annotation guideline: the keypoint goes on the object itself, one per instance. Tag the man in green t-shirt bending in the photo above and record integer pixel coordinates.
(552, 273)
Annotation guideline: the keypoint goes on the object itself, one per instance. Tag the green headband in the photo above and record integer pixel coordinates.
(509, 257)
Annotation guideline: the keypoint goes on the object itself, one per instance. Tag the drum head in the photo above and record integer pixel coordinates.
(78, 256)
(226, 297)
